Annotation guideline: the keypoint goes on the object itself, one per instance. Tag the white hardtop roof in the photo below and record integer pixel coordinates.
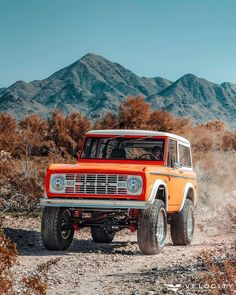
(124, 132)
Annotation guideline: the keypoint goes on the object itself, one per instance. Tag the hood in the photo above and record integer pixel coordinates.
(97, 168)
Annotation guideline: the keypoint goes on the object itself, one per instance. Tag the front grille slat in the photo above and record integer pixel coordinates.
(95, 184)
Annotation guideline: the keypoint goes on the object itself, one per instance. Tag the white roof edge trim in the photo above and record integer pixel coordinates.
(124, 132)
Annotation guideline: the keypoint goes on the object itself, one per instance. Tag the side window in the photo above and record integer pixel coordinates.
(184, 155)
(172, 155)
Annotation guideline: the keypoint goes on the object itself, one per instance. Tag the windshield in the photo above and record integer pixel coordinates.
(124, 148)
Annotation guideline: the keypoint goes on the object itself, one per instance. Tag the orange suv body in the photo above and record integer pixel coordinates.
(121, 177)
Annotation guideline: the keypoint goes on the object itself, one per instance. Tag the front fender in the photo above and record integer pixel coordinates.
(152, 196)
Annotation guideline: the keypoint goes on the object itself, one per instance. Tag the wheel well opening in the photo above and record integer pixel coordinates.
(190, 194)
(161, 194)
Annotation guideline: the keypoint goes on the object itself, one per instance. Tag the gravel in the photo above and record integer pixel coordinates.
(116, 268)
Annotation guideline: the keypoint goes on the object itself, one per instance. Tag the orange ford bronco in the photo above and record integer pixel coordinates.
(136, 179)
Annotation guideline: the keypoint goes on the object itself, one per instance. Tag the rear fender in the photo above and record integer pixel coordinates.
(188, 186)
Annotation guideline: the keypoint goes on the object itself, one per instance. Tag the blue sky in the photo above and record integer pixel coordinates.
(167, 38)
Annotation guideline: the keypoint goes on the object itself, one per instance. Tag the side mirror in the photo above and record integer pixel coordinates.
(178, 165)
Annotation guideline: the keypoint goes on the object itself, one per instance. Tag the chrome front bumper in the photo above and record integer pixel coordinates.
(94, 203)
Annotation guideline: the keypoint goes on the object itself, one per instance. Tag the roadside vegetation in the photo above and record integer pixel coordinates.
(34, 283)
(220, 271)
(28, 147)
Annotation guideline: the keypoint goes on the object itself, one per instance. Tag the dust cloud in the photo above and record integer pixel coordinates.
(216, 212)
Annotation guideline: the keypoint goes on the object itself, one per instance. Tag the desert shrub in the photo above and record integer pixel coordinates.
(182, 125)
(8, 141)
(20, 185)
(31, 284)
(133, 113)
(25, 139)
(201, 139)
(8, 258)
(76, 126)
(36, 283)
(108, 121)
(35, 124)
(22, 180)
(228, 141)
(67, 132)
(58, 133)
(161, 120)
(221, 273)
(33, 132)
(29, 144)
(215, 126)
(7, 123)
(8, 134)
(211, 136)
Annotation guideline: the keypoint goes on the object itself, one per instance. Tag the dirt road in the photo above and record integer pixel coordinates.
(116, 268)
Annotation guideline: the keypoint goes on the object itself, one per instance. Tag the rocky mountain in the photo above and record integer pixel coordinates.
(94, 85)
(2, 91)
(198, 98)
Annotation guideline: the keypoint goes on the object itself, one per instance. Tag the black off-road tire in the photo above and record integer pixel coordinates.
(148, 241)
(180, 234)
(102, 235)
(53, 237)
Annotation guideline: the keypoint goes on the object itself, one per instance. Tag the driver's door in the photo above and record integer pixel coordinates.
(175, 181)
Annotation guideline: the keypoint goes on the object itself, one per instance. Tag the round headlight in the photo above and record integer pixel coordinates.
(58, 183)
(133, 184)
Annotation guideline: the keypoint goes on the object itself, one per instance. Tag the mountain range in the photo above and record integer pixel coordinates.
(94, 85)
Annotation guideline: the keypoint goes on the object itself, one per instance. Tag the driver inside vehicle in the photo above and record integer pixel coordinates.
(157, 153)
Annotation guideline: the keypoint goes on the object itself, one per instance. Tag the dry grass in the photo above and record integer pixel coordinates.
(22, 180)
(32, 284)
(8, 258)
(37, 282)
(221, 273)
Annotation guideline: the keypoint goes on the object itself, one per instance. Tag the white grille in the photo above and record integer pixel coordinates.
(96, 184)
